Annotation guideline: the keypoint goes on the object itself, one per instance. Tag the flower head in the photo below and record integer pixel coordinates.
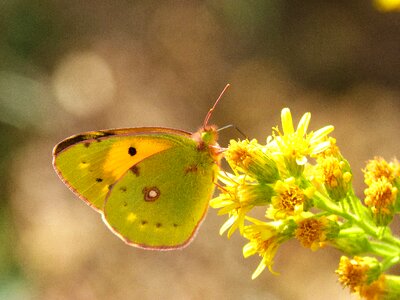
(380, 197)
(379, 168)
(289, 200)
(379, 289)
(358, 272)
(238, 196)
(294, 146)
(264, 240)
(334, 172)
(251, 158)
(314, 232)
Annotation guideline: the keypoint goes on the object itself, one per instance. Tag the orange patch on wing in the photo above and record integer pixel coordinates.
(119, 160)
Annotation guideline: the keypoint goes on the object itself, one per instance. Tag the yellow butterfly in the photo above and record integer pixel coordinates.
(152, 185)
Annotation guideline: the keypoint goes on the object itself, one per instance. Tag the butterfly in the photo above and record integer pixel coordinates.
(151, 185)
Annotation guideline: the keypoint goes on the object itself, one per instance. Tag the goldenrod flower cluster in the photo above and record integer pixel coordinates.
(304, 186)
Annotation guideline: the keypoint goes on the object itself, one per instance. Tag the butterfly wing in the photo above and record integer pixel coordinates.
(161, 201)
(90, 163)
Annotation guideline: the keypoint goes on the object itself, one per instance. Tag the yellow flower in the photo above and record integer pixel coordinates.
(238, 196)
(379, 168)
(358, 272)
(252, 159)
(314, 232)
(377, 290)
(380, 197)
(331, 150)
(334, 172)
(294, 146)
(264, 240)
(289, 199)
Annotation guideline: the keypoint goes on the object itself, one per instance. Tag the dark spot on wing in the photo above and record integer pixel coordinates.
(125, 204)
(122, 188)
(135, 170)
(191, 169)
(132, 151)
(144, 222)
(158, 225)
(175, 225)
(110, 186)
(87, 144)
(99, 179)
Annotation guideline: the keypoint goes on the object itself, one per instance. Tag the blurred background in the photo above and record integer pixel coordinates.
(73, 66)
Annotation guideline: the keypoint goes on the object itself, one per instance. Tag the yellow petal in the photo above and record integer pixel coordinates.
(249, 250)
(301, 161)
(259, 269)
(287, 122)
(303, 124)
(321, 147)
(321, 133)
(227, 224)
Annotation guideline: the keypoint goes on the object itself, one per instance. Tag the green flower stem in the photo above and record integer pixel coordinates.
(383, 249)
(327, 204)
(350, 231)
(358, 208)
(392, 283)
(386, 246)
(379, 248)
(389, 262)
(389, 238)
(353, 203)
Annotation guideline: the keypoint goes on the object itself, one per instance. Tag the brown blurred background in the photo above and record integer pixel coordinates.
(73, 66)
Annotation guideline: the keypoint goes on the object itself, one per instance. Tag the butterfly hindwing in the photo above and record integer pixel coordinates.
(91, 163)
(161, 200)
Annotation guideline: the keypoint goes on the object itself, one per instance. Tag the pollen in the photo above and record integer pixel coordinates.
(253, 159)
(291, 198)
(380, 168)
(311, 232)
(288, 201)
(334, 172)
(381, 196)
(352, 272)
(238, 153)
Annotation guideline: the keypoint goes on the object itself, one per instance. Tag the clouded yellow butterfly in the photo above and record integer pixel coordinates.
(151, 185)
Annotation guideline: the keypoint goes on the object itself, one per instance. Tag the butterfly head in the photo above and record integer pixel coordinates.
(206, 139)
(209, 135)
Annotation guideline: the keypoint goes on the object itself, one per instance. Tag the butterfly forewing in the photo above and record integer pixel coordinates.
(89, 164)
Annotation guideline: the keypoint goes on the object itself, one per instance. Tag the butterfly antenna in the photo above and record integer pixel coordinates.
(208, 116)
(233, 126)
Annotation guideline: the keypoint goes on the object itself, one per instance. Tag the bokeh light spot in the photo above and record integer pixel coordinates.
(84, 84)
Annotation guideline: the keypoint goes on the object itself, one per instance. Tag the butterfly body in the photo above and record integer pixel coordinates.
(151, 185)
